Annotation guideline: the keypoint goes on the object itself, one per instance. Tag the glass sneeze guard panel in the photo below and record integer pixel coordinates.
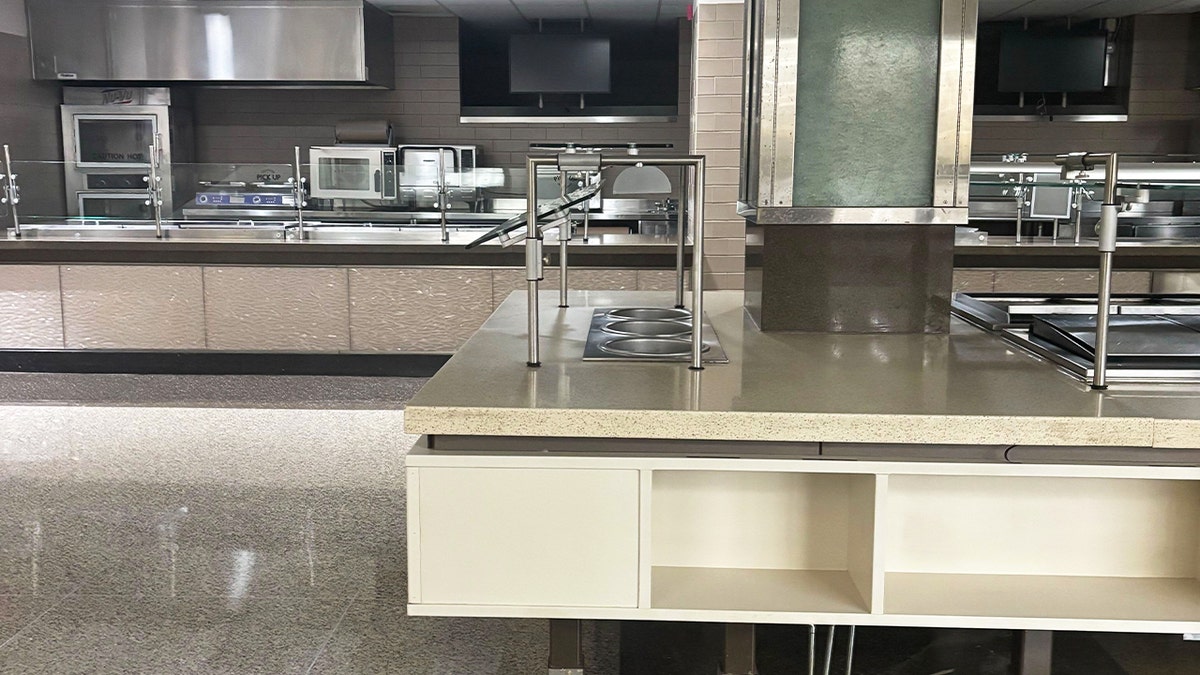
(257, 201)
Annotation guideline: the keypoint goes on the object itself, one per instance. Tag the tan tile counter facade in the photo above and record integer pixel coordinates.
(1048, 281)
(293, 309)
(31, 314)
(132, 307)
(333, 309)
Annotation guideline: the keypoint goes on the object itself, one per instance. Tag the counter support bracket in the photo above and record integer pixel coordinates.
(1032, 652)
(566, 647)
(738, 653)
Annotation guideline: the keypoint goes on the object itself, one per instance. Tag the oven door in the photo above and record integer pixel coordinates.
(351, 173)
(114, 206)
(103, 141)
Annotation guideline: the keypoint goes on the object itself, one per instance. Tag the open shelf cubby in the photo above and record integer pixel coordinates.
(1116, 549)
(765, 542)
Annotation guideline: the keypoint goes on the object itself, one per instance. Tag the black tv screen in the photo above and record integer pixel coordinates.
(1050, 63)
(559, 64)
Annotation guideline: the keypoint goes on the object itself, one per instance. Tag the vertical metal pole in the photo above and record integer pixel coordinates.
(1100, 372)
(533, 260)
(12, 193)
(698, 267)
(829, 650)
(680, 250)
(850, 652)
(564, 236)
(298, 189)
(1078, 215)
(812, 649)
(154, 192)
(443, 193)
(1020, 212)
(587, 208)
(1108, 246)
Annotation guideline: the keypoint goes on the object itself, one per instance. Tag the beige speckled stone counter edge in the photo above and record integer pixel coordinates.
(1177, 433)
(827, 427)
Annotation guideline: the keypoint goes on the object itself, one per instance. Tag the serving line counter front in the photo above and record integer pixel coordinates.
(887, 480)
(249, 263)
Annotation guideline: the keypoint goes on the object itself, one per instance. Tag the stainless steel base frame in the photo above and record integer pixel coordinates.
(738, 654)
(1032, 652)
(566, 647)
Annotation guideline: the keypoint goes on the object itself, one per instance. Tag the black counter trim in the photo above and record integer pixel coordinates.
(221, 363)
(1160, 258)
(47, 252)
(1012, 257)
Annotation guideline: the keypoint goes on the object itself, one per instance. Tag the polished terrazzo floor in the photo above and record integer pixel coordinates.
(159, 524)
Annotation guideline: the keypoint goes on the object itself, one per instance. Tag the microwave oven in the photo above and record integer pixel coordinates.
(352, 172)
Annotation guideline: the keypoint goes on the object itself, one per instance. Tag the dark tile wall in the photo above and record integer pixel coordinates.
(1162, 111)
(263, 125)
(29, 124)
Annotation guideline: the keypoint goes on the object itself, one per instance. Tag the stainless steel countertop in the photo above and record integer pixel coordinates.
(967, 387)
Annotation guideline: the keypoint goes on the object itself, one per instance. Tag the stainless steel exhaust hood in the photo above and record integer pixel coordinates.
(269, 42)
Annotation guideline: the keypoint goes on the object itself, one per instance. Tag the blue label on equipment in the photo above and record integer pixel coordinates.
(222, 199)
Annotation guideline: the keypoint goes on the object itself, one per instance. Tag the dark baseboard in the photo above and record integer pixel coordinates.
(220, 363)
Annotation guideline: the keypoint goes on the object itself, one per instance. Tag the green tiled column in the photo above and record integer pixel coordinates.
(866, 103)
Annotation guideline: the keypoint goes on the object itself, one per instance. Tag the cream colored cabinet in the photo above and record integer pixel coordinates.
(540, 537)
(1050, 547)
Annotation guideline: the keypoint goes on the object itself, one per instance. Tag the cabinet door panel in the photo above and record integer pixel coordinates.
(529, 537)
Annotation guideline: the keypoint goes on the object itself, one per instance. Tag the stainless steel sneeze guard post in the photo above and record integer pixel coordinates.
(298, 195)
(681, 231)
(12, 193)
(1107, 231)
(533, 238)
(533, 258)
(154, 191)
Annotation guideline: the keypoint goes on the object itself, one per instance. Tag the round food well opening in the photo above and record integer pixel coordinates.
(644, 328)
(651, 314)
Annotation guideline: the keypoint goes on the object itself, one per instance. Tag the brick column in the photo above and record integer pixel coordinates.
(716, 133)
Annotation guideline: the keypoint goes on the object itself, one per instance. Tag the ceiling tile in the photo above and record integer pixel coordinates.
(483, 10)
(623, 10)
(1009, 10)
(552, 9)
(990, 10)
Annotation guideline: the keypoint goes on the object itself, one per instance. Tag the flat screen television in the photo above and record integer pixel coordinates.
(540, 63)
(1049, 62)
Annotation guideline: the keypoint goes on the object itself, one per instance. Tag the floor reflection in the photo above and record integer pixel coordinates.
(261, 540)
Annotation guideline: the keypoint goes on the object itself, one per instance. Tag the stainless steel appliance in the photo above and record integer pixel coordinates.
(107, 139)
(242, 195)
(294, 42)
(365, 172)
(426, 168)
(1155, 338)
